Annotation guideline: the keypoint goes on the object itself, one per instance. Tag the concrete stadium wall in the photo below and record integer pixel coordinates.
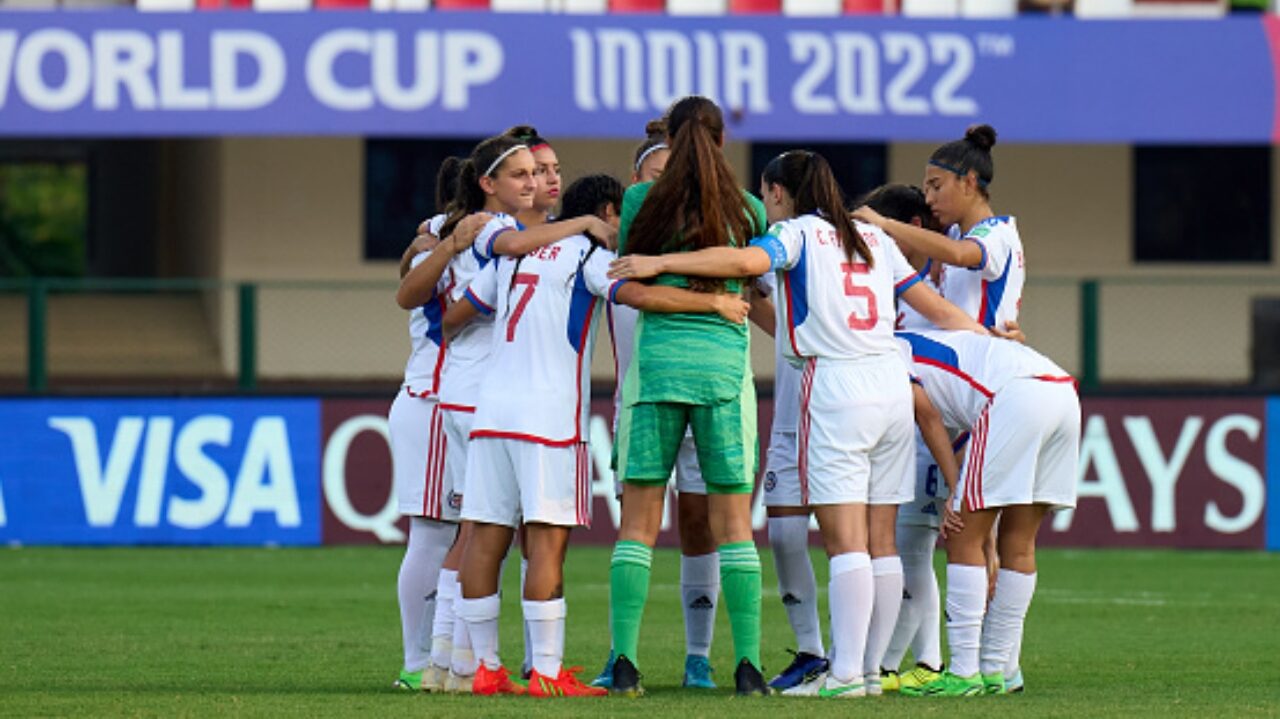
(292, 209)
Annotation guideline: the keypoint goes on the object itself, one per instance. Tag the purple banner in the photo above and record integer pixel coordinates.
(124, 73)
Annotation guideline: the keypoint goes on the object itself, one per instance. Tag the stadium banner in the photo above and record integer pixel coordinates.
(1273, 474)
(850, 78)
(1187, 472)
(160, 471)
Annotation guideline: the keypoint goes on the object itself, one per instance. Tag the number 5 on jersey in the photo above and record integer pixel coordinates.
(873, 313)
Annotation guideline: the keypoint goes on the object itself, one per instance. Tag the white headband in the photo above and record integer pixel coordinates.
(650, 151)
(502, 157)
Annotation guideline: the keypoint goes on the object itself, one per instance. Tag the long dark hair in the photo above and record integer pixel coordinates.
(807, 177)
(447, 182)
(469, 196)
(697, 202)
(900, 202)
(588, 196)
(973, 152)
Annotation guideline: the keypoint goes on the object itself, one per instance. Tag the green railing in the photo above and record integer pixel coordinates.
(1164, 329)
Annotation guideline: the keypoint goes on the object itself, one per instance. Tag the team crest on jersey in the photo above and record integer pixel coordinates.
(455, 500)
(770, 481)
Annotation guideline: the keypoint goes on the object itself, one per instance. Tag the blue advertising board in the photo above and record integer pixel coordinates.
(143, 471)
(466, 74)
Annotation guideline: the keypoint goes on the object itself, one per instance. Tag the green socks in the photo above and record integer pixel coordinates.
(740, 587)
(629, 590)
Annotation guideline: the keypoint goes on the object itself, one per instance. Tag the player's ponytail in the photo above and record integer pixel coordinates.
(486, 159)
(697, 202)
(808, 179)
(447, 182)
(972, 153)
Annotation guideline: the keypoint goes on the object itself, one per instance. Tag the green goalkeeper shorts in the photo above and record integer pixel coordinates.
(650, 433)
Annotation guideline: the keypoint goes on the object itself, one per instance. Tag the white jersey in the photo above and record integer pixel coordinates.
(990, 292)
(786, 376)
(828, 306)
(908, 317)
(468, 350)
(537, 383)
(426, 337)
(962, 371)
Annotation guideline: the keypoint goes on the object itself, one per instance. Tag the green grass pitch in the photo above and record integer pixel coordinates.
(315, 632)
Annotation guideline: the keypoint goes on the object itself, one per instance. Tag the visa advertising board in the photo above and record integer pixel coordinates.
(1184, 472)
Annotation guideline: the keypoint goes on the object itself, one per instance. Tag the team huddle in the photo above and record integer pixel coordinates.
(906, 407)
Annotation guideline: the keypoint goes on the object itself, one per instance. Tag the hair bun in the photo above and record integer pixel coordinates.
(521, 132)
(656, 127)
(981, 136)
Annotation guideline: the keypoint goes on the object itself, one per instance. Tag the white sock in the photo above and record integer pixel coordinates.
(545, 624)
(700, 589)
(887, 579)
(442, 626)
(462, 660)
(429, 541)
(789, 539)
(966, 599)
(527, 663)
(1002, 629)
(851, 594)
(918, 619)
(1014, 665)
(481, 618)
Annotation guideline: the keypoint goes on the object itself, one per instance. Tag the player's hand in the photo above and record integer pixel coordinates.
(951, 522)
(424, 242)
(1011, 331)
(868, 215)
(603, 231)
(635, 267)
(466, 231)
(732, 308)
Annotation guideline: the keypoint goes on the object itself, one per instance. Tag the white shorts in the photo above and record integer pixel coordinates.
(855, 434)
(1024, 448)
(511, 480)
(687, 474)
(418, 446)
(457, 432)
(924, 510)
(782, 472)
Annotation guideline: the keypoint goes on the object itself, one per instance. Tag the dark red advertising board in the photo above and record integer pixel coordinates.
(1154, 472)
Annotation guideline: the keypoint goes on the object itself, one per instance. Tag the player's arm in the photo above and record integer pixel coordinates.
(419, 285)
(929, 420)
(659, 299)
(457, 317)
(725, 262)
(521, 242)
(762, 313)
(937, 310)
(423, 242)
(963, 253)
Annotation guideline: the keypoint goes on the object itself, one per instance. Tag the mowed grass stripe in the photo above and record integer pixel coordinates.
(315, 633)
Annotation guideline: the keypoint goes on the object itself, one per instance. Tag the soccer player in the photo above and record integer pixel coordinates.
(497, 179)
(1024, 416)
(983, 273)
(417, 447)
(528, 453)
(699, 563)
(689, 370)
(854, 437)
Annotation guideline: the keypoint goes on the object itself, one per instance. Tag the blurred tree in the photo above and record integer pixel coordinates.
(43, 219)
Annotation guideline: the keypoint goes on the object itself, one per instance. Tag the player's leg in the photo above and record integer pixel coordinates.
(892, 484)
(492, 503)
(649, 436)
(1050, 428)
(456, 646)
(699, 568)
(725, 435)
(417, 445)
(920, 619)
(555, 491)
